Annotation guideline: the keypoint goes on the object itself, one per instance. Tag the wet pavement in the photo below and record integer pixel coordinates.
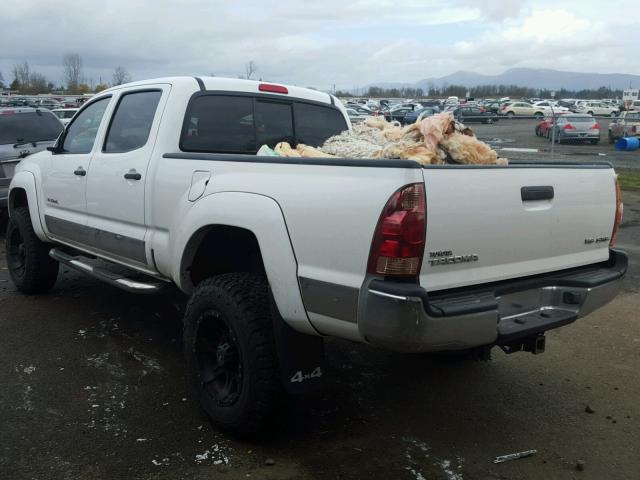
(93, 387)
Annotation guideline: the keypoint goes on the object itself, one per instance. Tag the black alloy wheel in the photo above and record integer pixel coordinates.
(16, 252)
(219, 359)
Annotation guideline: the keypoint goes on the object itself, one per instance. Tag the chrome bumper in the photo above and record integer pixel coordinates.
(403, 317)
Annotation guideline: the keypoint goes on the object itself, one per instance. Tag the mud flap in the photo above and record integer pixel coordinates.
(301, 357)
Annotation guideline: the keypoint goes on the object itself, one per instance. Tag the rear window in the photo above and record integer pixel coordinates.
(584, 119)
(274, 123)
(28, 127)
(242, 124)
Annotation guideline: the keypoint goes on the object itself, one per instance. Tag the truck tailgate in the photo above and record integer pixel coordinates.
(490, 224)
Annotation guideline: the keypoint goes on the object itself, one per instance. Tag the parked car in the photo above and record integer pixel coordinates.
(492, 106)
(633, 106)
(549, 108)
(48, 103)
(626, 125)
(521, 109)
(23, 131)
(473, 114)
(64, 114)
(412, 117)
(576, 128)
(542, 128)
(356, 117)
(435, 105)
(597, 108)
(268, 275)
(398, 114)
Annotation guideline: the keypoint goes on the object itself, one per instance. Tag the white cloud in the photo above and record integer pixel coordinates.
(320, 44)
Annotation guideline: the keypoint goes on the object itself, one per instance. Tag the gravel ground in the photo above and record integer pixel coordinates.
(519, 133)
(93, 387)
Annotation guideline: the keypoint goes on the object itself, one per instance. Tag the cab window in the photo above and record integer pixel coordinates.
(82, 131)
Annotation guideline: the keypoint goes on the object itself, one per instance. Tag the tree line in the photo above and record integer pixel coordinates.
(482, 91)
(27, 81)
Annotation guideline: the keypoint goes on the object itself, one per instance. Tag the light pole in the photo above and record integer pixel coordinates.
(553, 126)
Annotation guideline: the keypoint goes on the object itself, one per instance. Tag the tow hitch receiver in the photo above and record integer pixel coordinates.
(534, 344)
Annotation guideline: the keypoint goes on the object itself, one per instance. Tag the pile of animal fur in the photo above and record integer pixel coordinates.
(435, 140)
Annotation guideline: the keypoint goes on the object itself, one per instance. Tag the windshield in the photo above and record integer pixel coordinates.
(28, 127)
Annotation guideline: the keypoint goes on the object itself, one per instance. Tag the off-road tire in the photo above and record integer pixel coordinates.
(241, 301)
(4, 219)
(30, 267)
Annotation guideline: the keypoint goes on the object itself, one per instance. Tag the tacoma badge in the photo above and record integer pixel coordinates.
(445, 257)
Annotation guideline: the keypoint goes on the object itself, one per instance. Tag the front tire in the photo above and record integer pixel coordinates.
(231, 353)
(30, 266)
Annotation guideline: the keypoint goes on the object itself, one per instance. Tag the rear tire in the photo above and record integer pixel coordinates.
(510, 114)
(231, 352)
(4, 219)
(30, 266)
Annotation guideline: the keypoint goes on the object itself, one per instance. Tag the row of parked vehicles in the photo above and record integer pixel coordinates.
(481, 111)
(564, 127)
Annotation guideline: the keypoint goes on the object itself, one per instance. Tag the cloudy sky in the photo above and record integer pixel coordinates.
(345, 43)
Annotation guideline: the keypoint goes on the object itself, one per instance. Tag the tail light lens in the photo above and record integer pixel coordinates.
(618, 218)
(268, 87)
(568, 126)
(398, 243)
(595, 126)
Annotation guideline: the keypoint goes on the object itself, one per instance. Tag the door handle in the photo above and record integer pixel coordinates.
(536, 193)
(81, 172)
(132, 175)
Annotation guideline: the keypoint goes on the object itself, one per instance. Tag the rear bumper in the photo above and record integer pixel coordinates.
(578, 136)
(403, 317)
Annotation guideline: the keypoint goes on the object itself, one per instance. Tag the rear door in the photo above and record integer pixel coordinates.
(64, 181)
(118, 172)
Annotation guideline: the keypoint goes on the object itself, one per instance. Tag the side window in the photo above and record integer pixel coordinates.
(314, 123)
(274, 123)
(219, 123)
(81, 133)
(131, 122)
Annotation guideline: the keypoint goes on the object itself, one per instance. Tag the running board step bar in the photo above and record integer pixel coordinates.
(115, 279)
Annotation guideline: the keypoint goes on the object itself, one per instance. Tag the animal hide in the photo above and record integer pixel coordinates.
(435, 140)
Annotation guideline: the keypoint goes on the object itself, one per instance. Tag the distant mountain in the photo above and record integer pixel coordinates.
(529, 77)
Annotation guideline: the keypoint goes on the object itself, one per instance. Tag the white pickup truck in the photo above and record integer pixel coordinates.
(162, 177)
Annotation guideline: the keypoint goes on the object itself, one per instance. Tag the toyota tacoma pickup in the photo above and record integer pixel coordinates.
(161, 177)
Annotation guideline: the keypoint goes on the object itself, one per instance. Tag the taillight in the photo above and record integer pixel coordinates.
(568, 126)
(398, 242)
(269, 87)
(595, 126)
(618, 218)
